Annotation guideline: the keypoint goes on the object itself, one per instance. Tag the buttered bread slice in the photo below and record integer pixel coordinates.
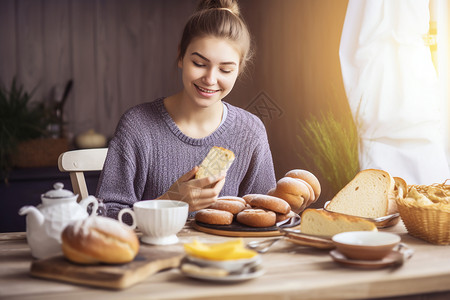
(320, 222)
(217, 161)
(367, 195)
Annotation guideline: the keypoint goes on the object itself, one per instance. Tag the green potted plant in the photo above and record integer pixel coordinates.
(329, 149)
(20, 121)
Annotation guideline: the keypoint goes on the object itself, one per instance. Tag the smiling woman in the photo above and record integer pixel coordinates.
(158, 146)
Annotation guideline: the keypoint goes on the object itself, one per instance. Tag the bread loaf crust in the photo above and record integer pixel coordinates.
(323, 223)
(99, 240)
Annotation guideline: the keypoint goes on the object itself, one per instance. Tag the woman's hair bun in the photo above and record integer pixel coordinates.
(230, 5)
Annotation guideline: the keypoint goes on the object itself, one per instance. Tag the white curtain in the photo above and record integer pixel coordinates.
(391, 86)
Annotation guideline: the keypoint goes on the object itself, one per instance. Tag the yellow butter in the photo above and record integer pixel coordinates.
(234, 249)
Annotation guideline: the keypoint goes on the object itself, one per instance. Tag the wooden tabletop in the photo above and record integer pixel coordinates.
(291, 272)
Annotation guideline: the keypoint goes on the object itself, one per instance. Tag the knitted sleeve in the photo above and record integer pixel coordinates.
(122, 181)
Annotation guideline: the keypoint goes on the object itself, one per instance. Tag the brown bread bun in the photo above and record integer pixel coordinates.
(256, 217)
(248, 198)
(275, 204)
(307, 176)
(214, 216)
(228, 205)
(233, 198)
(99, 240)
(312, 196)
(293, 191)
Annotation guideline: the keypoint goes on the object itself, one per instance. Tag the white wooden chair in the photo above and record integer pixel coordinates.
(79, 161)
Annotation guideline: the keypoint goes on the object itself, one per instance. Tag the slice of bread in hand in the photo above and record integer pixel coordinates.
(216, 162)
(367, 195)
(320, 222)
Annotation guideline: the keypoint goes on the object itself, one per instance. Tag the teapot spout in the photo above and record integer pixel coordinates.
(34, 215)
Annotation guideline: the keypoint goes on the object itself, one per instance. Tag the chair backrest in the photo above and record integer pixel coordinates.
(76, 162)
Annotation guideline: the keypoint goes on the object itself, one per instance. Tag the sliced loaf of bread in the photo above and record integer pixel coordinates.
(320, 222)
(367, 195)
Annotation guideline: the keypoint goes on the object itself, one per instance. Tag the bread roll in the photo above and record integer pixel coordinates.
(99, 240)
(293, 191)
(256, 218)
(366, 195)
(326, 224)
(228, 205)
(214, 216)
(272, 203)
(309, 177)
(233, 198)
(399, 192)
(217, 161)
(249, 197)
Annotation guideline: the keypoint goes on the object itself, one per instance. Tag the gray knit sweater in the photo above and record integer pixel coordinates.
(148, 153)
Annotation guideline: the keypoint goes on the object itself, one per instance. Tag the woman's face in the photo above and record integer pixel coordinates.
(209, 69)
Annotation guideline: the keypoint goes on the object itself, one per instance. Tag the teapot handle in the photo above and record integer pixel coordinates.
(132, 214)
(86, 201)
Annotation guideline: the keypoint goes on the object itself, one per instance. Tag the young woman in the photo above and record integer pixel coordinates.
(158, 145)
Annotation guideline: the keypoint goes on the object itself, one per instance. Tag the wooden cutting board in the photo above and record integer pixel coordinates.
(149, 261)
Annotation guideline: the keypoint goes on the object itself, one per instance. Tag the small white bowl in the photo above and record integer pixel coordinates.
(365, 245)
(231, 265)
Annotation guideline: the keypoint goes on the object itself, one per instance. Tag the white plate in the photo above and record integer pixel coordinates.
(229, 265)
(229, 278)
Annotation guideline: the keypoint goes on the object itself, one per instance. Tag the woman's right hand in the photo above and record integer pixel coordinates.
(198, 193)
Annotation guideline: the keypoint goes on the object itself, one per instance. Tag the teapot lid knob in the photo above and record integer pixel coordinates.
(58, 186)
(58, 192)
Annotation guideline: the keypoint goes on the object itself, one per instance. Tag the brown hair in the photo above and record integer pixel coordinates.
(218, 18)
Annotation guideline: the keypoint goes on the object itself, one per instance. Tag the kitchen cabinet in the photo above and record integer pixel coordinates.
(25, 188)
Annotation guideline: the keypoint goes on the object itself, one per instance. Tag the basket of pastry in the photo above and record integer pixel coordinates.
(426, 212)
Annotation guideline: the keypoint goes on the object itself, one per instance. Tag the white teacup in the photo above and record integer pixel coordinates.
(159, 220)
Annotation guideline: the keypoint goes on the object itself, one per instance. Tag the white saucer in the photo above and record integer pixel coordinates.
(229, 278)
(169, 240)
(393, 258)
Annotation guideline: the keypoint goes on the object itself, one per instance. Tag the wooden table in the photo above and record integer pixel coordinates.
(292, 272)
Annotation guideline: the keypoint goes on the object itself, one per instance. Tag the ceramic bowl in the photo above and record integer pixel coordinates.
(160, 220)
(232, 265)
(365, 245)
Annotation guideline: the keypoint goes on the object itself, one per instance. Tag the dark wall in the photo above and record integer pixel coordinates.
(120, 53)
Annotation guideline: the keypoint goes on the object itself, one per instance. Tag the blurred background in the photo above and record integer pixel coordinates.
(89, 61)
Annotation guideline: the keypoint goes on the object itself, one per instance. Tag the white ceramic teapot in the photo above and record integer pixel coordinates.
(46, 222)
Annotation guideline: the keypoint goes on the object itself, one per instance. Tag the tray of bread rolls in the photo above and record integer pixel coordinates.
(234, 216)
(259, 214)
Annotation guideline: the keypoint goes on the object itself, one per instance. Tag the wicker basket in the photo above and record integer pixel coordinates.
(39, 152)
(430, 223)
